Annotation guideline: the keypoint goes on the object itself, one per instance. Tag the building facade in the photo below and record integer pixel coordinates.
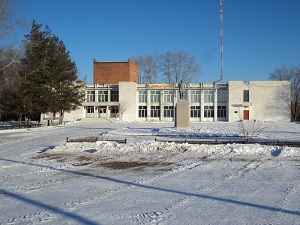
(114, 72)
(232, 101)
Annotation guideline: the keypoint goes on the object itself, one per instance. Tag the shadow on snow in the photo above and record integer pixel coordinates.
(89, 222)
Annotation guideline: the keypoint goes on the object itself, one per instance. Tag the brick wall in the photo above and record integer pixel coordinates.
(114, 72)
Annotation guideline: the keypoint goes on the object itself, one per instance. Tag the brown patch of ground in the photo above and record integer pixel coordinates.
(83, 160)
(60, 157)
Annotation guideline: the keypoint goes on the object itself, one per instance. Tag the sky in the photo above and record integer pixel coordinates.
(259, 35)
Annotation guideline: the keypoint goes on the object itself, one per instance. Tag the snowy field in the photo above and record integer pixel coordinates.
(44, 180)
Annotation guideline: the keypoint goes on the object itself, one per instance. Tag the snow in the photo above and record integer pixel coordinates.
(45, 180)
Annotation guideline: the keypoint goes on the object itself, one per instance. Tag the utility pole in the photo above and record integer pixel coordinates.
(221, 40)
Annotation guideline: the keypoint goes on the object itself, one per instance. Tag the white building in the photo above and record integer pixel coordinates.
(232, 101)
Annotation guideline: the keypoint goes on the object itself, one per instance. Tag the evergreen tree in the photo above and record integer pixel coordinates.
(33, 72)
(49, 76)
(66, 92)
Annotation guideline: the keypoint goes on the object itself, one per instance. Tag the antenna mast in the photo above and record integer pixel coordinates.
(221, 39)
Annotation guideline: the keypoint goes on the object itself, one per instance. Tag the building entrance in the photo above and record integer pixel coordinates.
(246, 114)
(101, 111)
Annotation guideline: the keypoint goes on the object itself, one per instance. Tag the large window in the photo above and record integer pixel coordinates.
(114, 95)
(195, 95)
(90, 96)
(222, 111)
(195, 111)
(168, 96)
(222, 96)
(102, 96)
(142, 96)
(114, 109)
(90, 109)
(208, 111)
(168, 111)
(142, 111)
(246, 96)
(208, 95)
(155, 111)
(154, 96)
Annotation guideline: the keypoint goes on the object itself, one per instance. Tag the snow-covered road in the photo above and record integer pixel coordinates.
(44, 180)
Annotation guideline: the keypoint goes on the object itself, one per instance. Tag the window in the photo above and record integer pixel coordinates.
(154, 96)
(142, 111)
(222, 96)
(208, 111)
(221, 111)
(90, 96)
(114, 109)
(114, 95)
(90, 109)
(195, 95)
(195, 111)
(208, 95)
(168, 96)
(155, 111)
(102, 96)
(168, 111)
(142, 96)
(246, 96)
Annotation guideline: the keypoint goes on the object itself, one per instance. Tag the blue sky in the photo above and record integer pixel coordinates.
(259, 35)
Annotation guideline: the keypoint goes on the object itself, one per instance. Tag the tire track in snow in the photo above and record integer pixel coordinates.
(26, 188)
(124, 187)
(157, 217)
(289, 193)
(32, 218)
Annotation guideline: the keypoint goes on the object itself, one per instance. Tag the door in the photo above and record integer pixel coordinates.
(102, 111)
(246, 114)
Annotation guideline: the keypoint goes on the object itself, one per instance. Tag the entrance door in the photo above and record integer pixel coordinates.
(246, 114)
(102, 111)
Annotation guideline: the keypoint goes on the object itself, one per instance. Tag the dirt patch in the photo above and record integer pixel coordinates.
(242, 160)
(98, 161)
(59, 157)
(127, 165)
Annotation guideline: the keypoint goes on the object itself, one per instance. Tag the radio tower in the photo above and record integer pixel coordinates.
(221, 39)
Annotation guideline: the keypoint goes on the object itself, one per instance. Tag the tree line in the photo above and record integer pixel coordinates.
(169, 67)
(38, 79)
(292, 99)
(40, 76)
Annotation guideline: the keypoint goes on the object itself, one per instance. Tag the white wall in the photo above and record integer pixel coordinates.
(128, 99)
(74, 115)
(266, 101)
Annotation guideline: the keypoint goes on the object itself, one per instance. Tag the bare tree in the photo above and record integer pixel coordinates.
(123, 106)
(9, 81)
(170, 67)
(165, 66)
(184, 68)
(10, 17)
(148, 68)
(251, 129)
(291, 74)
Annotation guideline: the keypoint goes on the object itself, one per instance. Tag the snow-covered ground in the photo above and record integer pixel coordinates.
(44, 180)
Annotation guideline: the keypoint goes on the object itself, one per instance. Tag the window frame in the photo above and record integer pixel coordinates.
(195, 111)
(168, 111)
(209, 111)
(155, 111)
